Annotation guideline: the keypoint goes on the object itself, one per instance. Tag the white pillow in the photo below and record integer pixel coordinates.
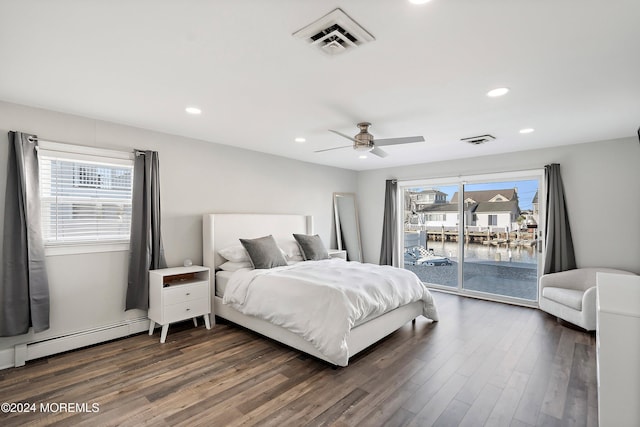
(235, 253)
(235, 266)
(291, 250)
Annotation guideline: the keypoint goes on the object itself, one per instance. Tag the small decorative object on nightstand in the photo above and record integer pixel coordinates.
(177, 294)
(337, 253)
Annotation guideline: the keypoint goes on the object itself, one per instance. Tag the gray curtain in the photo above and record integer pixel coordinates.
(389, 227)
(24, 295)
(146, 251)
(559, 254)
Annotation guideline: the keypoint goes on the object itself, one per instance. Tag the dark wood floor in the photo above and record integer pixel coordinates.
(484, 363)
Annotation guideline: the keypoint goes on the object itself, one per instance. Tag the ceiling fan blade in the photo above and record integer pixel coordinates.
(378, 152)
(343, 135)
(334, 148)
(395, 141)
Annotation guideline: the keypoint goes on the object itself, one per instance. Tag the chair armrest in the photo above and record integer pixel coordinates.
(589, 299)
(546, 280)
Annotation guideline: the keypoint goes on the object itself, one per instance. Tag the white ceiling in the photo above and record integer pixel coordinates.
(573, 67)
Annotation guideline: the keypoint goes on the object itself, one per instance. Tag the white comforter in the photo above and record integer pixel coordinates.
(323, 300)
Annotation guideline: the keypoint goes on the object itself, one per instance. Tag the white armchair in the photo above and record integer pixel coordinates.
(571, 295)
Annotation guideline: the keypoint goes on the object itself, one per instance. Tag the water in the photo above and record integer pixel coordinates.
(498, 270)
(478, 252)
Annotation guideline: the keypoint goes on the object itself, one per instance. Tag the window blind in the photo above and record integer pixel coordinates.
(85, 201)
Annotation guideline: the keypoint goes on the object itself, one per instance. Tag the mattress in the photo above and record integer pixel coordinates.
(222, 278)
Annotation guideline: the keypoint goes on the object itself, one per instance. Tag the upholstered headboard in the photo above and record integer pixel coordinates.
(223, 230)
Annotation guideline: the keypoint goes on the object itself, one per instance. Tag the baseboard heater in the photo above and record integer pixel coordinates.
(36, 350)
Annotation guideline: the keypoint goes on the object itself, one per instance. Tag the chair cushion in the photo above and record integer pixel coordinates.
(568, 297)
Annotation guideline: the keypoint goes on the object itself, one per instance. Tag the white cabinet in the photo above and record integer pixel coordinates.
(618, 350)
(177, 294)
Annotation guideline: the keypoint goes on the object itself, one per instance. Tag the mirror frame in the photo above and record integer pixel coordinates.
(352, 196)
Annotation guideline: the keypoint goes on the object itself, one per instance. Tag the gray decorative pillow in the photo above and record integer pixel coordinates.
(311, 247)
(264, 252)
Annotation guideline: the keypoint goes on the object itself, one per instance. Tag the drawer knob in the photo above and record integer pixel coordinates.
(188, 293)
(188, 309)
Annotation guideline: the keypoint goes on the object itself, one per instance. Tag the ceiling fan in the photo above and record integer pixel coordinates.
(364, 141)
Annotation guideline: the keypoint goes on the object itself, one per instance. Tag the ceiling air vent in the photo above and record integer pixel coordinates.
(477, 140)
(334, 33)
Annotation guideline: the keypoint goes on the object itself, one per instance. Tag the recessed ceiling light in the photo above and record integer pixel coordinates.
(363, 156)
(193, 110)
(527, 130)
(419, 1)
(498, 92)
(300, 140)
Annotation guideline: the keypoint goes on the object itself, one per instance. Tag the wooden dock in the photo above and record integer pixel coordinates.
(488, 236)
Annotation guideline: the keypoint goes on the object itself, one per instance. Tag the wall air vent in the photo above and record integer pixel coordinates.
(334, 33)
(477, 140)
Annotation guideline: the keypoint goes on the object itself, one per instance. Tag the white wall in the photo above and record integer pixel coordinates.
(602, 185)
(88, 290)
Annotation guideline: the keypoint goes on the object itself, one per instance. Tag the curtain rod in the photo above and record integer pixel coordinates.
(37, 139)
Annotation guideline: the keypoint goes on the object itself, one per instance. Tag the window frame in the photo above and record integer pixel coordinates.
(79, 153)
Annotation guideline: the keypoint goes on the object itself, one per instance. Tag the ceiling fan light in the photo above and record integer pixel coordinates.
(363, 147)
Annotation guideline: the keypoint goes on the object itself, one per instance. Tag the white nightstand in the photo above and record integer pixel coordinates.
(177, 294)
(337, 253)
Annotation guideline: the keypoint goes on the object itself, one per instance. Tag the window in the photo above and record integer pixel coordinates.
(493, 219)
(435, 217)
(85, 198)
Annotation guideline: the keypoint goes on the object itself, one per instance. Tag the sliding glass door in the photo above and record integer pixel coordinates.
(477, 235)
(500, 256)
(430, 233)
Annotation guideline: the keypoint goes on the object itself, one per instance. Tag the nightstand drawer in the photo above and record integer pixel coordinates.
(186, 310)
(182, 293)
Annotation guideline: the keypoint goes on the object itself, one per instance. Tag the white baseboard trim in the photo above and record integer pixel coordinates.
(6, 358)
(21, 353)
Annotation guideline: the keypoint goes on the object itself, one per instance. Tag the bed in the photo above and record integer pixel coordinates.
(224, 230)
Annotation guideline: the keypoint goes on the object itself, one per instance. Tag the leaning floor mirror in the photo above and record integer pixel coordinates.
(347, 226)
